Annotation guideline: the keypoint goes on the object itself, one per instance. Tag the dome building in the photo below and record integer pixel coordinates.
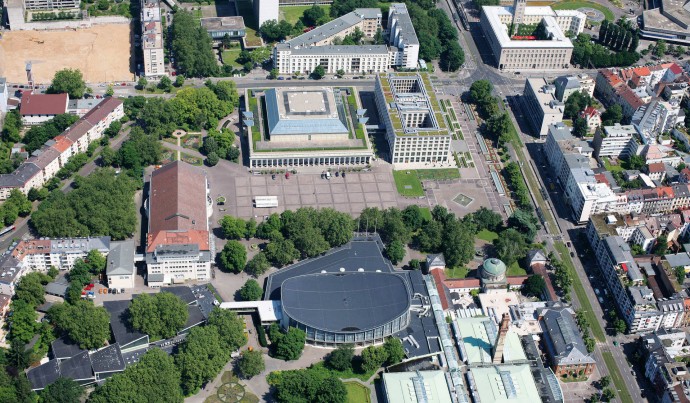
(492, 275)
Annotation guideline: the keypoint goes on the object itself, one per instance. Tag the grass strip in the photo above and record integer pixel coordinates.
(616, 377)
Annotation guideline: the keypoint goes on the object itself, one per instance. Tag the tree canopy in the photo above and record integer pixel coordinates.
(155, 378)
(251, 363)
(534, 286)
(230, 328)
(30, 288)
(63, 390)
(37, 135)
(288, 345)
(313, 384)
(233, 257)
(84, 323)
(102, 204)
(201, 357)
(68, 81)
(159, 315)
(191, 45)
(251, 291)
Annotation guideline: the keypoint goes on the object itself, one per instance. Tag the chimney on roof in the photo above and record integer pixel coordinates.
(500, 339)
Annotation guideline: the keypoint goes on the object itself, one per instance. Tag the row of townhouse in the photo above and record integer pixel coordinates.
(46, 162)
(316, 48)
(633, 283)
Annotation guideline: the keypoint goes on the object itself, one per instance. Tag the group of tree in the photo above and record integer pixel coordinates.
(620, 36)
(82, 273)
(274, 31)
(160, 315)
(69, 81)
(612, 115)
(498, 126)
(101, 204)
(583, 324)
(232, 258)
(251, 58)
(305, 232)
(82, 322)
(313, 384)
(162, 377)
(14, 385)
(390, 353)
(563, 276)
(576, 103)
(286, 345)
(438, 37)
(618, 325)
(516, 183)
(251, 363)
(17, 205)
(251, 291)
(37, 135)
(136, 153)
(588, 53)
(191, 45)
(220, 144)
(237, 228)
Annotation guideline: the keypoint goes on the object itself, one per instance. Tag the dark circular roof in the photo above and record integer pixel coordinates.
(345, 302)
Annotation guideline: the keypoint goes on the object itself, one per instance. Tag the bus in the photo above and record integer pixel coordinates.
(265, 201)
(7, 229)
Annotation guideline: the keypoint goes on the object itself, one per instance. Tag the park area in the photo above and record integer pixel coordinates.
(577, 4)
(292, 14)
(101, 53)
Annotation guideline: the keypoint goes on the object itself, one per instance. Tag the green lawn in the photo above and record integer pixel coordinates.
(230, 56)
(244, 8)
(575, 4)
(612, 167)
(515, 270)
(408, 183)
(357, 393)
(438, 174)
(460, 272)
(616, 377)
(293, 13)
(585, 304)
(486, 235)
(426, 213)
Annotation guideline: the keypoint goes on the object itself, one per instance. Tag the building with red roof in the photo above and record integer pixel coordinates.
(39, 108)
(593, 118)
(177, 244)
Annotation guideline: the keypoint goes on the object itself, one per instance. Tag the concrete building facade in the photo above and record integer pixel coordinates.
(415, 128)
(152, 39)
(542, 105)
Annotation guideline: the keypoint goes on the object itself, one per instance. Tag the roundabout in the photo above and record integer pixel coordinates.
(593, 15)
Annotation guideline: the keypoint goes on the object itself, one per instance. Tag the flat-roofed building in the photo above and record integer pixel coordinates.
(152, 39)
(218, 27)
(178, 244)
(306, 127)
(504, 384)
(418, 386)
(543, 107)
(616, 141)
(416, 130)
(552, 51)
(479, 334)
(669, 22)
(41, 254)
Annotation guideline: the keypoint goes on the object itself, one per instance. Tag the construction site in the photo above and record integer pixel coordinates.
(102, 53)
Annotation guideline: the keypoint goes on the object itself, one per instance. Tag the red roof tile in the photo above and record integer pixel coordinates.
(191, 237)
(656, 167)
(462, 283)
(177, 200)
(43, 104)
(62, 143)
(103, 109)
(439, 277)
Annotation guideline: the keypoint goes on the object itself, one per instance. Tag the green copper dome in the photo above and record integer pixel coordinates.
(494, 267)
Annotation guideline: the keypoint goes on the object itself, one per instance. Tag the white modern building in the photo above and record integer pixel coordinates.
(652, 119)
(265, 10)
(542, 105)
(41, 254)
(178, 242)
(415, 127)
(551, 51)
(152, 39)
(120, 270)
(4, 94)
(616, 141)
(304, 53)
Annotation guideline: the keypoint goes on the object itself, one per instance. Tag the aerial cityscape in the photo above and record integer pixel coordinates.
(344, 201)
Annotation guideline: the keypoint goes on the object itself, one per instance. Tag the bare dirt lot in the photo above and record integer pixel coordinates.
(102, 53)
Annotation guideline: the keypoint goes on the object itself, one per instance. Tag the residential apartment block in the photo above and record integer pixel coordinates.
(315, 48)
(47, 161)
(664, 367)
(152, 39)
(568, 85)
(542, 106)
(618, 141)
(178, 242)
(513, 53)
(40, 108)
(415, 127)
(641, 309)
(41, 254)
